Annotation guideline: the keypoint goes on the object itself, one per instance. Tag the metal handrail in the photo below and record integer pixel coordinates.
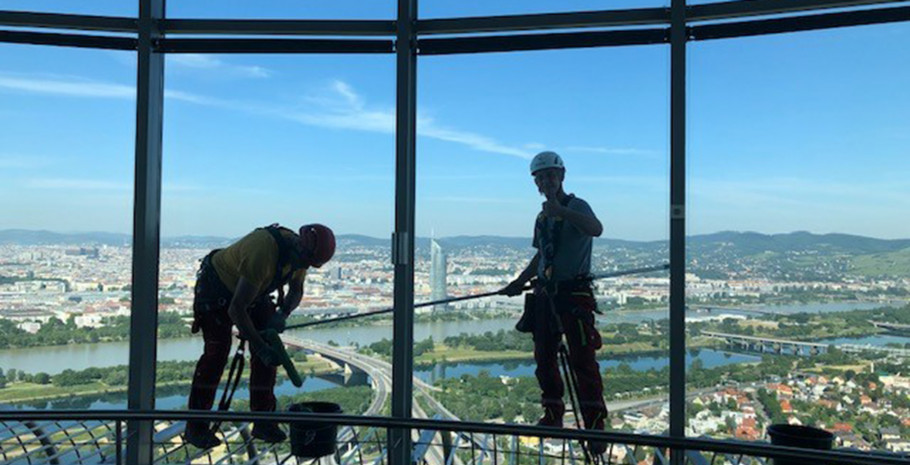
(707, 445)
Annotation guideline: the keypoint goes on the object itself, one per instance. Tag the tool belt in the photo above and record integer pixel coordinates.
(573, 295)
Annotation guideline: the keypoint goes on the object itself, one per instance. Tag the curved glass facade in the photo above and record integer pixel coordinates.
(757, 149)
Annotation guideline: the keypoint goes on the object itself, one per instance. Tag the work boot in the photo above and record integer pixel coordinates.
(552, 416)
(268, 431)
(597, 447)
(201, 436)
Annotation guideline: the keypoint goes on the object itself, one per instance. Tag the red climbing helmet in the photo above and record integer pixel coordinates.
(323, 243)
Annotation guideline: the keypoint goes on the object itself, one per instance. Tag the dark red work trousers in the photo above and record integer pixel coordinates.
(582, 338)
(216, 332)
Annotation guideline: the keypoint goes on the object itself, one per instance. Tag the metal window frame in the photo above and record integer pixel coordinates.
(69, 40)
(528, 42)
(678, 39)
(399, 439)
(146, 232)
(815, 22)
(740, 9)
(675, 26)
(67, 21)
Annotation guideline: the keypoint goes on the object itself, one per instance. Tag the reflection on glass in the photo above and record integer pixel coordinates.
(796, 253)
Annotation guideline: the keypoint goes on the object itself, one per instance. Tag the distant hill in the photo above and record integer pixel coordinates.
(742, 243)
(895, 263)
(749, 243)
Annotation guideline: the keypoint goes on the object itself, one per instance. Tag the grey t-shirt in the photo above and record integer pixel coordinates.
(571, 248)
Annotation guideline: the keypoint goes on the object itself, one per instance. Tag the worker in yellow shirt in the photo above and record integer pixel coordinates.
(233, 288)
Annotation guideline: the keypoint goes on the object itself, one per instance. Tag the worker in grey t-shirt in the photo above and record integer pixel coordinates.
(564, 299)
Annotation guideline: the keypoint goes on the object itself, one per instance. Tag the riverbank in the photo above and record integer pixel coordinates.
(26, 392)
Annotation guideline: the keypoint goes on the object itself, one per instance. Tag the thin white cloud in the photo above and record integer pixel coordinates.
(82, 184)
(16, 161)
(428, 128)
(351, 97)
(611, 150)
(654, 183)
(71, 86)
(194, 98)
(65, 85)
(341, 107)
(493, 200)
(75, 184)
(199, 61)
(799, 192)
(351, 177)
(468, 177)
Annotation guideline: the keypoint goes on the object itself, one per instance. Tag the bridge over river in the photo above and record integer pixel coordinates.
(781, 346)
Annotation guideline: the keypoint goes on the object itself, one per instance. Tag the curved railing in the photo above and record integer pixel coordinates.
(98, 437)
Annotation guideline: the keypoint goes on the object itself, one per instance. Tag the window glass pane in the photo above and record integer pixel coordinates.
(481, 120)
(66, 174)
(251, 140)
(452, 8)
(94, 7)
(798, 241)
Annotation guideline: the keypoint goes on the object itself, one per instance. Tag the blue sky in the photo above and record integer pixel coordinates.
(804, 131)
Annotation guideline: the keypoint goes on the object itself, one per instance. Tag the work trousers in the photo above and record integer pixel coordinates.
(576, 313)
(216, 332)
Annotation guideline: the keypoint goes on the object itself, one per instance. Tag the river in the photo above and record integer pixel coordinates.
(53, 360)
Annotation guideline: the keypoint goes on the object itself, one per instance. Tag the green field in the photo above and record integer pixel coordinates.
(882, 264)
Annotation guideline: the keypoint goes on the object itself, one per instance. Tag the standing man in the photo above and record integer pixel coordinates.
(233, 287)
(564, 299)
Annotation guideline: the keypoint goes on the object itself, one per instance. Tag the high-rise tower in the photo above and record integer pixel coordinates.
(437, 274)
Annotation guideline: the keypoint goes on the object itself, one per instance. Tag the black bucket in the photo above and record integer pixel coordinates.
(310, 439)
(805, 437)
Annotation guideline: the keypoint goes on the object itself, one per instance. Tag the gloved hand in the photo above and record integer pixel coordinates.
(267, 354)
(278, 321)
(512, 289)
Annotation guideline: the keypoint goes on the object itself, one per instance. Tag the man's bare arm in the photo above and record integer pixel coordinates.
(587, 224)
(244, 295)
(292, 299)
(530, 271)
(516, 286)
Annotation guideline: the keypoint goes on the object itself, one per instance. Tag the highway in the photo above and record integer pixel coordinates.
(380, 373)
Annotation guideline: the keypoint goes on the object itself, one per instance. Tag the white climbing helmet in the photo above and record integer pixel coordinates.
(545, 160)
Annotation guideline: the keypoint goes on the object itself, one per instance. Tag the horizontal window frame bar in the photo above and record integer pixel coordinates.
(544, 21)
(708, 445)
(279, 27)
(463, 25)
(315, 46)
(68, 21)
(69, 40)
(741, 9)
(530, 42)
(803, 23)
